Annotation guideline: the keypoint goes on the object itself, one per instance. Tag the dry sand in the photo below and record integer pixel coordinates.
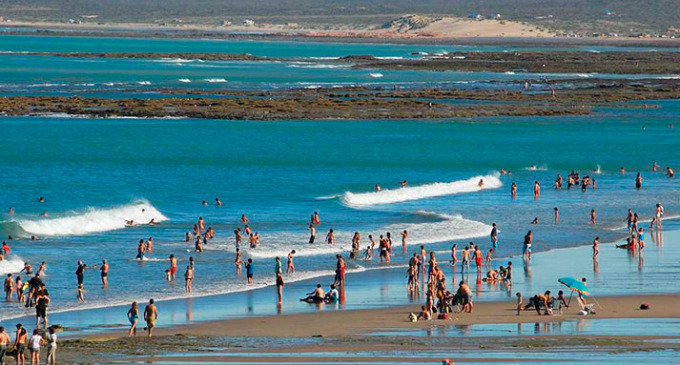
(448, 27)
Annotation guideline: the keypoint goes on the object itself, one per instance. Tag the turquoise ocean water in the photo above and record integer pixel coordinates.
(96, 173)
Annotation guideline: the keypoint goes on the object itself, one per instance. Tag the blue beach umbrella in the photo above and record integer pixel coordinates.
(574, 285)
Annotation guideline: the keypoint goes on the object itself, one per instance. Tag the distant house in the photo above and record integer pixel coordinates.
(248, 22)
(476, 16)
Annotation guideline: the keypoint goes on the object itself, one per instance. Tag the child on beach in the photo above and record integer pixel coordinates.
(519, 303)
(249, 271)
(368, 255)
(488, 256)
(81, 293)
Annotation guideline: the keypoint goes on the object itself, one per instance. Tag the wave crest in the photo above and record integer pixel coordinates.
(11, 265)
(93, 220)
(388, 196)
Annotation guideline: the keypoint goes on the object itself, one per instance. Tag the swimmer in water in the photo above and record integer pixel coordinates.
(330, 237)
(244, 219)
(44, 214)
(11, 211)
(205, 203)
(377, 187)
(655, 166)
(187, 236)
(535, 221)
(41, 200)
(638, 181)
(593, 216)
(129, 223)
(218, 202)
(669, 172)
(480, 183)
(403, 183)
(513, 190)
(557, 215)
(622, 170)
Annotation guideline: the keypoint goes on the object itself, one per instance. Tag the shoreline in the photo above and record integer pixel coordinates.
(213, 32)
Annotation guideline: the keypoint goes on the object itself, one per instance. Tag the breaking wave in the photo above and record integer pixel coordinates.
(389, 196)
(11, 265)
(93, 220)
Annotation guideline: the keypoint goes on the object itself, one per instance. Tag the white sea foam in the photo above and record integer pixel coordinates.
(376, 75)
(389, 196)
(542, 167)
(11, 265)
(93, 220)
(144, 82)
(215, 80)
(316, 65)
(451, 227)
(184, 80)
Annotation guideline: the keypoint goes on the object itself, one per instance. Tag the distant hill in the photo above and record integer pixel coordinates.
(584, 15)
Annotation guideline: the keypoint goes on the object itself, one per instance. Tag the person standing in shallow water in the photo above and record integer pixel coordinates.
(105, 274)
(638, 181)
(537, 190)
(513, 190)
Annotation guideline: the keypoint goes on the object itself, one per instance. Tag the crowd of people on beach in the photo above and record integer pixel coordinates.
(423, 271)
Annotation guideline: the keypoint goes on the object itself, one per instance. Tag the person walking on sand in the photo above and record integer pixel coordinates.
(133, 317)
(20, 342)
(51, 347)
(596, 247)
(291, 265)
(34, 347)
(105, 273)
(150, 316)
(4, 344)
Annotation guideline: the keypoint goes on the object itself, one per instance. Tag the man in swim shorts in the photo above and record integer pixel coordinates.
(150, 316)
